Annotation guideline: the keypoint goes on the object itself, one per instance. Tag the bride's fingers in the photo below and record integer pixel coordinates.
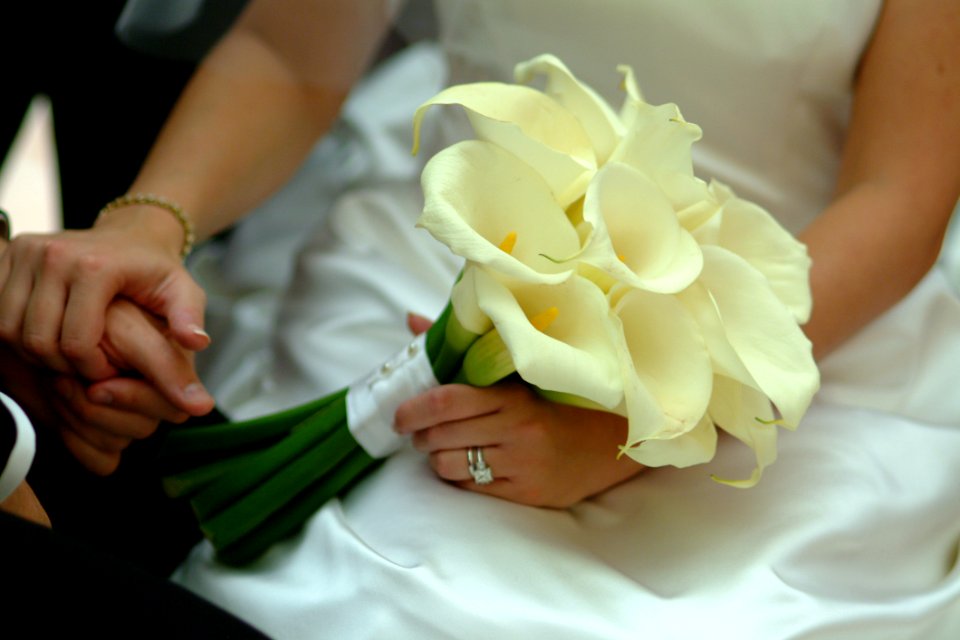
(417, 323)
(454, 464)
(482, 431)
(449, 403)
(445, 403)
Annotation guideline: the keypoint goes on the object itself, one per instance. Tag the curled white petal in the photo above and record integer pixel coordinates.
(747, 415)
(752, 233)
(637, 238)
(693, 447)
(599, 121)
(576, 354)
(762, 332)
(529, 124)
(463, 297)
(666, 362)
(476, 194)
(657, 140)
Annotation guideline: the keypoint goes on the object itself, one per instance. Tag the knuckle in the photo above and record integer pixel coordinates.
(38, 345)
(440, 399)
(90, 265)
(55, 253)
(74, 348)
(9, 329)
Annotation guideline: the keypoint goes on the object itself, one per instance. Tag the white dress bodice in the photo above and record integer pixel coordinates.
(769, 83)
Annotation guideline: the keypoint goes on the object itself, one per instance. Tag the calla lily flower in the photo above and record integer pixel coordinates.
(601, 124)
(657, 141)
(478, 196)
(667, 369)
(574, 353)
(637, 238)
(463, 299)
(696, 446)
(747, 415)
(752, 233)
(529, 124)
(751, 335)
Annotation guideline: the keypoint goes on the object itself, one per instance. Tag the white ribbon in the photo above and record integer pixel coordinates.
(373, 401)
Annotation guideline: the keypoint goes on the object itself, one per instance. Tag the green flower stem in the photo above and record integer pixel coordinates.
(488, 361)
(245, 478)
(231, 435)
(253, 483)
(291, 516)
(447, 341)
(245, 514)
(194, 479)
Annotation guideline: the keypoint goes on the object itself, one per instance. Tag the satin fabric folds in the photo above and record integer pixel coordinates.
(853, 533)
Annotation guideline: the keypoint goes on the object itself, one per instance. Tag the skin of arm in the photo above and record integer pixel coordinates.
(898, 184)
(900, 172)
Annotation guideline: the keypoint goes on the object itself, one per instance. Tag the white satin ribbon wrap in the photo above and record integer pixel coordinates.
(373, 401)
(24, 447)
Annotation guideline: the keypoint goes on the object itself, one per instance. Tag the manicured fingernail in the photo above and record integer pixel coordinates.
(200, 332)
(101, 396)
(194, 392)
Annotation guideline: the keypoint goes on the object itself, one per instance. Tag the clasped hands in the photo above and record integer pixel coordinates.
(99, 335)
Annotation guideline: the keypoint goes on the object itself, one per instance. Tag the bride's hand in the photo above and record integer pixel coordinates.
(541, 453)
(55, 289)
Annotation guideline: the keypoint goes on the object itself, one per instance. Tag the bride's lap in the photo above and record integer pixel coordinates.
(843, 528)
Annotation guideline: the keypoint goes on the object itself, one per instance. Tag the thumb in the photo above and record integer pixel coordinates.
(140, 345)
(183, 309)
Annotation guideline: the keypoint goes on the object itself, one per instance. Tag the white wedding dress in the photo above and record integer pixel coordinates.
(853, 533)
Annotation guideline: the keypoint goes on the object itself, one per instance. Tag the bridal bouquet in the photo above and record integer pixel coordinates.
(598, 269)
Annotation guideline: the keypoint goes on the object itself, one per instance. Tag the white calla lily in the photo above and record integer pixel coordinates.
(747, 415)
(629, 86)
(658, 140)
(463, 298)
(694, 447)
(529, 124)
(575, 353)
(637, 238)
(667, 370)
(562, 199)
(476, 196)
(752, 233)
(599, 121)
(759, 342)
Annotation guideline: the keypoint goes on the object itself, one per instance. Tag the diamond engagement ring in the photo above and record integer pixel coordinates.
(482, 474)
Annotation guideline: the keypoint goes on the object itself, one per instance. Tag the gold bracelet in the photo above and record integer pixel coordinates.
(131, 199)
